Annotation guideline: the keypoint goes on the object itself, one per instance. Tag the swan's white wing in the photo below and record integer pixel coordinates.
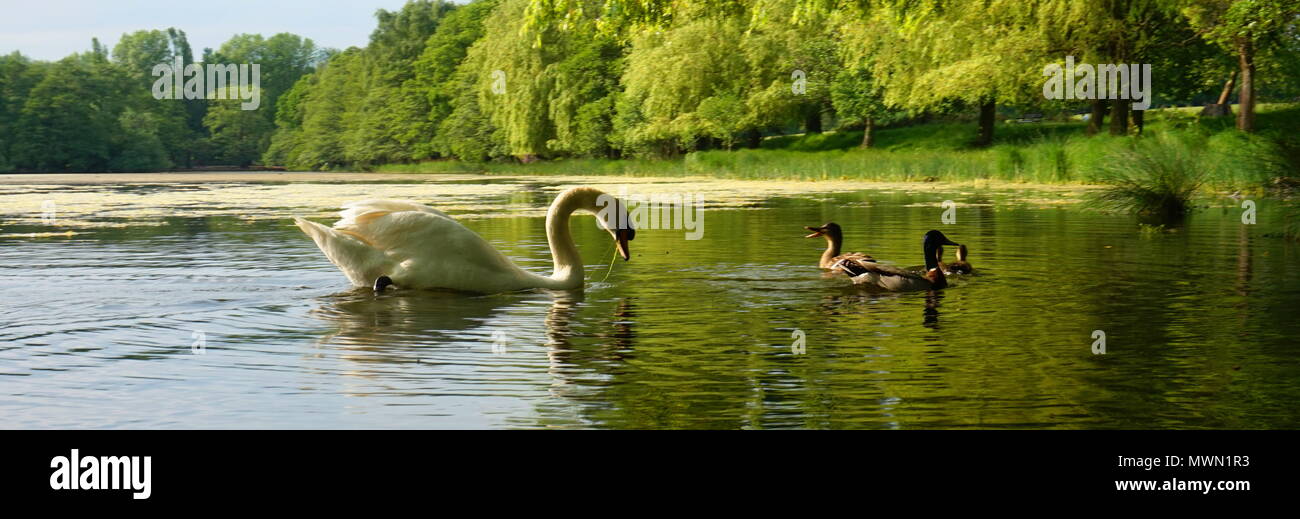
(431, 250)
(352, 210)
(358, 260)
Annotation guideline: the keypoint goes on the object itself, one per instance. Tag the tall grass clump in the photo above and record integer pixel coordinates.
(1010, 161)
(1048, 160)
(1155, 176)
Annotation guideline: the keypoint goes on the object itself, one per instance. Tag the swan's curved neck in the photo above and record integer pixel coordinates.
(568, 263)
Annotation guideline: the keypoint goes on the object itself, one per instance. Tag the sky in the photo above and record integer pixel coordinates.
(53, 29)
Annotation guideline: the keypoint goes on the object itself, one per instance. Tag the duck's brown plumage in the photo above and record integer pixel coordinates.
(961, 266)
(900, 279)
(893, 278)
(834, 239)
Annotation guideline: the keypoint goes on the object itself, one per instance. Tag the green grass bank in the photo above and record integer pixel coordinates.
(1049, 152)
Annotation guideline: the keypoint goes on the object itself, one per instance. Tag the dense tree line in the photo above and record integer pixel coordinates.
(95, 111)
(530, 79)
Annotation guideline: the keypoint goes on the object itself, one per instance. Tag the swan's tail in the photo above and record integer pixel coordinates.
(361, 262)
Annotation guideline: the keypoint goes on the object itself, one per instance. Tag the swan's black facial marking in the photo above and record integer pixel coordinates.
(381, 283)
(621, 238)
(623, 230)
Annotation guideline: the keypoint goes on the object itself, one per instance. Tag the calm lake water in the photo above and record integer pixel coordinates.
(106, 301)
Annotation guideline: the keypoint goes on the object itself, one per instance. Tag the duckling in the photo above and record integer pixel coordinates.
(961, 266)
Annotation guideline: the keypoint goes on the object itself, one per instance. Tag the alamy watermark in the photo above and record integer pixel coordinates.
(177, 80)
(84, 472)
(49, 212)
(1099, 342)
(799, 85)
(499, 342)
(200, 344)
(654, 211)
(1104, 81)
(498, 82)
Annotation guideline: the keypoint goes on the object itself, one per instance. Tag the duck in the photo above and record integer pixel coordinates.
(897, 279)
(834, 239)
(408, 245)
(961, 266)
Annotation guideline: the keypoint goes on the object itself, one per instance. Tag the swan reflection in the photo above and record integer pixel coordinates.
(470, 335)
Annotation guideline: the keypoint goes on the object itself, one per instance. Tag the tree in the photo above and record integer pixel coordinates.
(332, 97)
(393, 116)
(857, 97)
(435, 70)
(669, 74)
(139, 147)
(238, 136)
(134, 57)
(1245, 28)
(972, 52)
(283, 60)
(791, 66)
(18, 76)
(68, 118)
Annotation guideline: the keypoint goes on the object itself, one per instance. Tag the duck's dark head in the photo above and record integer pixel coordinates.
(933, 244)
(961, 252)
(831, 231)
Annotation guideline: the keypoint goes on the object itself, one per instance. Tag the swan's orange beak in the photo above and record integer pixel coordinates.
(620, 240)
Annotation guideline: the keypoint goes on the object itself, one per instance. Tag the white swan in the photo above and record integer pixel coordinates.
(382, 242)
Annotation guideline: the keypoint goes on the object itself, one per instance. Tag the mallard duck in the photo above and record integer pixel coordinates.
(959, 267)
(834, 238)
(899, 279)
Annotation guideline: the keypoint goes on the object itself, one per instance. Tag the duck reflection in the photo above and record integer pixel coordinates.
(848, 302)
(933, 301)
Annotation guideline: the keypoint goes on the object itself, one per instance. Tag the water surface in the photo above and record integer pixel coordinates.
(107, 301)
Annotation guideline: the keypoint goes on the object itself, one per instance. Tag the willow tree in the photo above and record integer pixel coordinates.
(1244, 28)
(544, 92)
(928, 56)
(514, 85)
(670, 74)
(791, 63)
(467, 133)
(709, 72)
(858, 97)
(547, 92)
(627, 18)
